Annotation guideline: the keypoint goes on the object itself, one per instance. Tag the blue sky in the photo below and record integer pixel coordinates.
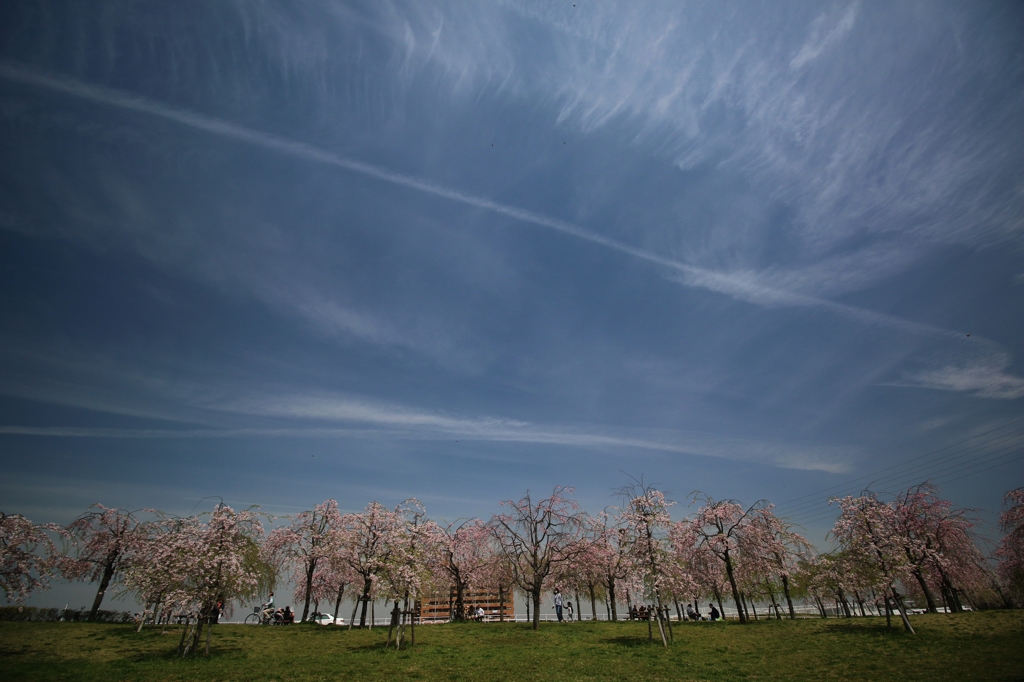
(280, 252)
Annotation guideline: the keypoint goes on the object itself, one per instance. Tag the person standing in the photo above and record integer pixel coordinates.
(268, 608)
(568, 607)
(558, 604)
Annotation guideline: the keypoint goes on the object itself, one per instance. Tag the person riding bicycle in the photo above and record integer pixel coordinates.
(268, 609)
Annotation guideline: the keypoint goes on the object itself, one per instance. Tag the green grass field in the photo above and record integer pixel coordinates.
(972, 646)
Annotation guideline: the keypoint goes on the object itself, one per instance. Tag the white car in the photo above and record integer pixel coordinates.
(327, 619)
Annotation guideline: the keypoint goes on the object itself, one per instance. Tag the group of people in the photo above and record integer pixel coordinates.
(641, 612)
(692, 614)
(644, 612)
(558, 607)
(277, 616)
(563, 610)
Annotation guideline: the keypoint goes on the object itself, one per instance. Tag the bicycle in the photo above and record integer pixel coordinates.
(257, 617)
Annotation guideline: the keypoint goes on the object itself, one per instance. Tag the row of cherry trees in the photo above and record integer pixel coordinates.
(181, 565)
(917, 544)
(918, 541)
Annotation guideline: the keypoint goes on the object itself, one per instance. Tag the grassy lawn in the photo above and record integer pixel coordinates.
(972, 646)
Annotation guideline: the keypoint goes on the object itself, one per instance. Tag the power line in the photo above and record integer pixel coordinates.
(985, 433)
(946, 474)
(918, 470)
(959, 471)
(903, 465)
(962, 472)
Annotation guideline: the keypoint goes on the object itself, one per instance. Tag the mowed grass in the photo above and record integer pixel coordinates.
(972, 646)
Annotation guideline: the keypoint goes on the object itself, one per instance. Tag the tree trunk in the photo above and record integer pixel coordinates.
(593, 601)
(198, 636)
(108, 573)
(718, 598)
(789, 600)
(903, 611)
(142, 618)
(888, 613)
(953, 599)
(209, 632)
(927, 592)
(156, 609)
(948, 598)
(355, 608)
(611, 598)
(395, 613)
(536, 607)
(367, 584)
(771, 596)
(841, 602)
(310, 569)
(661, 626)
(460, 599)
(337, 604)
(412, 624)
(405, 614)
(181, 642)
(735, 590)
(1007, 603)
(501, 603)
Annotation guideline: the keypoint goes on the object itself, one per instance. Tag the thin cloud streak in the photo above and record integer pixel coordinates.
(831, 460)
(742, 285)
(818, 43)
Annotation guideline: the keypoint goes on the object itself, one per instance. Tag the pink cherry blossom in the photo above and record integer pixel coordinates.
(1010, 552)
(536, 537)
(27, 556)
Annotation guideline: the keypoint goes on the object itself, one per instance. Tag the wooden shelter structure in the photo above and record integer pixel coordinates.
(442, 610)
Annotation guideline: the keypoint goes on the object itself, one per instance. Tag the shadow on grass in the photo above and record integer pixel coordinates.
(389, 648)
(632, 642)
(873, 630)
(233, 653)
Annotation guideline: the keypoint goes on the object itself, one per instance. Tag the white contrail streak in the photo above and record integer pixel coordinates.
(526, 434)
(740, 287)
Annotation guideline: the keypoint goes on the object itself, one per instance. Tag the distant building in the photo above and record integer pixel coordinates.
(444, 610)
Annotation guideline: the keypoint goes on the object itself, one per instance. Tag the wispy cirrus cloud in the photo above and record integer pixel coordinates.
(426, 427)
(749, 285)
(825, 31)
(405, 422)
(982, 379)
